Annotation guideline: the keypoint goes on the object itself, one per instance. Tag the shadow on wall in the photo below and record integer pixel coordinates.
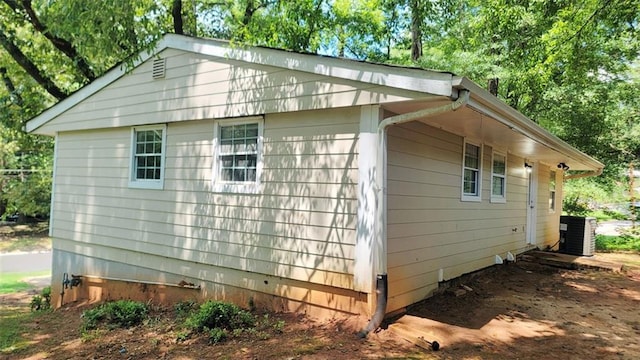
(301, 222)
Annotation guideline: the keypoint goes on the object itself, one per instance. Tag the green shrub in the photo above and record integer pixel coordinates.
(217, 335)
(121, 313)
(607, 214)
(575, 205)
(42, 302)
(619, 243)
(218, 320)
(184, 308)
(218, 314)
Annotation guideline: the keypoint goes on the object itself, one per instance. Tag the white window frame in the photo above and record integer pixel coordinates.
(478, 195)
(553, 198)
(499, 198)
(134, 182)
(220, 185)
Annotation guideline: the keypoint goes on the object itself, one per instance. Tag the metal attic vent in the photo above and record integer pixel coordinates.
(158, 70)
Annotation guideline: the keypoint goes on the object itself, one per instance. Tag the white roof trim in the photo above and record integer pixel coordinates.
(432, 82)
(484, 101)
(85, 92)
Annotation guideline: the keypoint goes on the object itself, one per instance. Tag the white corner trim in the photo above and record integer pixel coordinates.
(367, 212)
(53, 184)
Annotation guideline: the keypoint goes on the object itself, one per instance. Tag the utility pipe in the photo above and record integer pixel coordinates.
(380, 251)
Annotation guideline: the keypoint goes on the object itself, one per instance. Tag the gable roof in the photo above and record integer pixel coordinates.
(525, 132)
(432, 82)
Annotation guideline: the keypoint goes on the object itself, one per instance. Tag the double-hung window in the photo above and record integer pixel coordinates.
(471, 172)
(238, 157)
(147, 157)
(499, 178)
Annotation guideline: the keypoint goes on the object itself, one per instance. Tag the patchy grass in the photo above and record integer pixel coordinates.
(12, 320)
(14, 282)
(24, 237)
(630, 260)
(24, 243)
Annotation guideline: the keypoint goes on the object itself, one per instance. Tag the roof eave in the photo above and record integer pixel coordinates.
(481, 98)
(86, 91)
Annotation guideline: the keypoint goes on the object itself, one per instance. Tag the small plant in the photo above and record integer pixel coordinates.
(42, 302)
(217, 314)
(218, 320)
(121, 313)
(184, 308)
(266, 323)
(217, 335)
(182, 336)
(278, 326)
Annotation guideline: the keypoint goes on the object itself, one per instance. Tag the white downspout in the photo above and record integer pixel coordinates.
(380, 247)
(381, 178)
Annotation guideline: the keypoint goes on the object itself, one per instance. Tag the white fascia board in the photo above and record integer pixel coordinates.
(485, 102)
(86, 91)
(432, 82)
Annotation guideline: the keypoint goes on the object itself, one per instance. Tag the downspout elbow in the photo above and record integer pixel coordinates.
(463, 99)
(382, 292)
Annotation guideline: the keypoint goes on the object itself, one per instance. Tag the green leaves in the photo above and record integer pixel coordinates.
(570, 65)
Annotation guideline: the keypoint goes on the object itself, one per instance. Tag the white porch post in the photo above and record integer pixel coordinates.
(367, 229)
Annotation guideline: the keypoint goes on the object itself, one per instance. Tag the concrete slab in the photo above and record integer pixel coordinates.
(571, 261)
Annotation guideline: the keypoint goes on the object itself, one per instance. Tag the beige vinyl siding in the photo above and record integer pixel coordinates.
(197, 87)
(548, 226)
(299, 226)
(429, 227)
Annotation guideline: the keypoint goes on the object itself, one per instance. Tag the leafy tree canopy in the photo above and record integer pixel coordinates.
(571, 65)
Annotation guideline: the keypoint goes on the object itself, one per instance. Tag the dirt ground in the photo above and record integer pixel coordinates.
(517, 311)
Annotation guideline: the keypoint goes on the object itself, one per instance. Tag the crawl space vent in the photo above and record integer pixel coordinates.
(158, 68)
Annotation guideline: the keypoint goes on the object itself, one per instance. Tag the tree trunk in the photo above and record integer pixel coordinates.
(30, 67)
(176, 12)
(492, 86)
(416, 30)
(15, 96)
(59, 43)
